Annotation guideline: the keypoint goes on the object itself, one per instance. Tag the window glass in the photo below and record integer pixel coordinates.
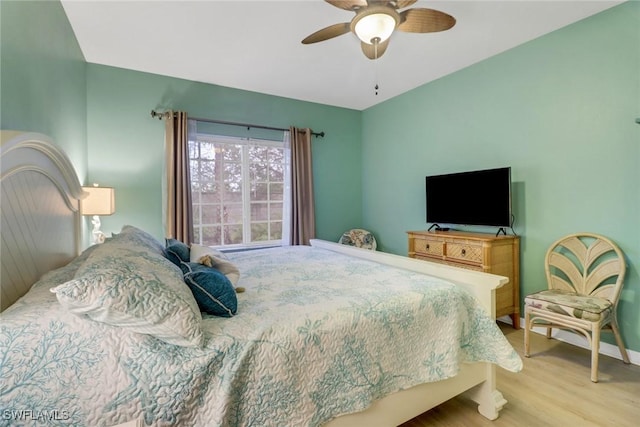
(237, 190)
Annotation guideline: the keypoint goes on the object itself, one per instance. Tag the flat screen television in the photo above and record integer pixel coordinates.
(480, 197)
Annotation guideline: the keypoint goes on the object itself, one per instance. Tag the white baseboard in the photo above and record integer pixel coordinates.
(578, 340)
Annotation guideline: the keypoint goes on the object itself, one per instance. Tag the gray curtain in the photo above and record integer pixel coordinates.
(179, 218)
(303, 221)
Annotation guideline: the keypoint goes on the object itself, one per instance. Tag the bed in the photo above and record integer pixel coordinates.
(325, 334)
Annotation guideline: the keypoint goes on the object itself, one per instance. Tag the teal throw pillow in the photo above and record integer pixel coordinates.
(211, 289)
(177, 252)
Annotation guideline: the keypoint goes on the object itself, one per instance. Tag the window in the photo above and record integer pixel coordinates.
(237, 187)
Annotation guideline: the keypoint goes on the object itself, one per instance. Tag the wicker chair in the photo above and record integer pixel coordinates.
(585, 274)
(359, 238)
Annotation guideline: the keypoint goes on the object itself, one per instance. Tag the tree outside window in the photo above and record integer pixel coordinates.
(237, 187)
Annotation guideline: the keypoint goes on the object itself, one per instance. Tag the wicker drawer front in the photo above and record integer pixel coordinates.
(465, 252)
(461, 265)
(431, 247)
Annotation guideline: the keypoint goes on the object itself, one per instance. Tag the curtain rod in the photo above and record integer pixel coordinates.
(223, 122)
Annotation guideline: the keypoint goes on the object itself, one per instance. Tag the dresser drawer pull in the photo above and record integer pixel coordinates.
(427, 246)
(464, 252)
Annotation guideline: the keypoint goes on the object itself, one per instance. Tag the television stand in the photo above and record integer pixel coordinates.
(476, 251)
(504, 231)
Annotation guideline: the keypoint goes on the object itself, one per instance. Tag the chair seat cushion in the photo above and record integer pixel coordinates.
(570, 304)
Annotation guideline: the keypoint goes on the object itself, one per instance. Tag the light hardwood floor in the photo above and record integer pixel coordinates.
(553, 390)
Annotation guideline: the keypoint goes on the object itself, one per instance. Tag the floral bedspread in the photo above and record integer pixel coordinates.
(317, 334)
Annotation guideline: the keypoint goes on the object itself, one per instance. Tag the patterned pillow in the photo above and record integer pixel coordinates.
(128, 282)
(136, 236)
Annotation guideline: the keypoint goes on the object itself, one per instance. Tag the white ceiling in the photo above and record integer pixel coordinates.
(255, 45)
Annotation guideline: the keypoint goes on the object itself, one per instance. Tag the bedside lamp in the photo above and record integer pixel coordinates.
(100, 201)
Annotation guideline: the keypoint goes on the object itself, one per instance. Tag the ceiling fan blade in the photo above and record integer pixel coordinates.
(348, 5)
(421, 20)
(404, 3)
(327, 33)
(369, 50)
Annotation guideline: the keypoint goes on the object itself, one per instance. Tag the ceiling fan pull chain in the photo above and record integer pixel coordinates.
(375, 49)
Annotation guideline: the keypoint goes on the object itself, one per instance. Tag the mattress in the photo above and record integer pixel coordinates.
(317, 334)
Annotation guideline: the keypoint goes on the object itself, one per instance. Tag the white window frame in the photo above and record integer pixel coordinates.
(246, 143)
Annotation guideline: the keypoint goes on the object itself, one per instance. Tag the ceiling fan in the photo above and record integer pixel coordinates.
(376, 20)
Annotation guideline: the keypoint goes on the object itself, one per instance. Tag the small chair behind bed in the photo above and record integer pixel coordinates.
(359, 238)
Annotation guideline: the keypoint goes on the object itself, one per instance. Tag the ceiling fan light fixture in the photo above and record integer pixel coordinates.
(377, 27)
(376, 20)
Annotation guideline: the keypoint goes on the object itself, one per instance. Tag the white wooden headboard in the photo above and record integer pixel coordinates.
(40, 222)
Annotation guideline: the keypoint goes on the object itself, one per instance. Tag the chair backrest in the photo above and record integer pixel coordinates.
(586, 263)
(359, 238)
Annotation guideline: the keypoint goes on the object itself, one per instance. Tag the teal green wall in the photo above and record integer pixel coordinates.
(42, 82)
(560, 110)
(126, 146)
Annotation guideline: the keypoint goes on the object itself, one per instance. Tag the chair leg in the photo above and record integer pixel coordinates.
(616, 333)
(548, 333)
(527, 327)
(595, 353)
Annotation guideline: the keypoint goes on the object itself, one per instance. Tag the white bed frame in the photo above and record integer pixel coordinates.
(41, 231)
(40, 221)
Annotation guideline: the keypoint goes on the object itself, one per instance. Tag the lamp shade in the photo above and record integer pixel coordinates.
(100, 201)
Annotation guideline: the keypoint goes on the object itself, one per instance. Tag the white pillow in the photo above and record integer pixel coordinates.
(125, 282)
(218, 260)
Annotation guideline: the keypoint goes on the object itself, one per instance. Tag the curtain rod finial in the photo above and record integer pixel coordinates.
(160, 116)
